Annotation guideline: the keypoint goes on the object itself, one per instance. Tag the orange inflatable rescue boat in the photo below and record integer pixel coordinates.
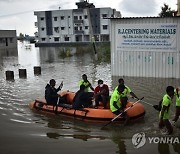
(86, 114)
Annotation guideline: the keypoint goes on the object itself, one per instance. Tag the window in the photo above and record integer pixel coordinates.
(80, 28)
(75, 17)
(55, 18)
(69, 16)
(62, 17)
(43, 39)
(86, 27)
(104, 38)
(62, 28)
(42, 28)
(80, 17)
(66, 38)
(75, 28)
(85, 16)
(104, 15)
(105, 26)
(56, 39)
(56, 29)
(42, 18)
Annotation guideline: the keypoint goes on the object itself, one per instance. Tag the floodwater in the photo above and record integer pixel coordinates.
(23, 131)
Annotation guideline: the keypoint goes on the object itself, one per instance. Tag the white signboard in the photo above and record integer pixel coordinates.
(150, 37)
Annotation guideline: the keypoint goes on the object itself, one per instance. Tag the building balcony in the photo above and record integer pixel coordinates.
(78, 21)
(79, 32)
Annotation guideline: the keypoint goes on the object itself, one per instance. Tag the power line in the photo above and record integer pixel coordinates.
(19, 13)
(29, 11)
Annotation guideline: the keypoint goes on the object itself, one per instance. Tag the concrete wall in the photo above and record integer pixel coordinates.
(145, 47)
(8, 39)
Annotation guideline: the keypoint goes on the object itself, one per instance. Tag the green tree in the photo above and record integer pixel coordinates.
(21, 36)
(166, 11)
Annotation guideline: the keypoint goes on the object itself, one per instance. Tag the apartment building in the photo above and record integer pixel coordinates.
(84, 24)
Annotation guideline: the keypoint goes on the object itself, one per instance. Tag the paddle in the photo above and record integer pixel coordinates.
(60, 87)
(122, 113)
(57, 105)
(156, 107)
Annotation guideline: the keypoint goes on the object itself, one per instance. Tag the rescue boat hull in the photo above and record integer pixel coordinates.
(86, 114)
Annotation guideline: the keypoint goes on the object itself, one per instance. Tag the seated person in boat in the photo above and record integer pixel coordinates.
(101, 93)
(86, 83)
(127, 90)
(115, 102)
(82, 99)
(118, 102)
(51, 95)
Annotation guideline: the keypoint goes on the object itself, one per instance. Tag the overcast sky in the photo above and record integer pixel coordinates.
(19, 14)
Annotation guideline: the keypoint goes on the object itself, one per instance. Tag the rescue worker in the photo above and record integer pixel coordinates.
(165, 107)
(86, 83)
(81, 99)
(177, 114)
(115, 103)
(118, 102)
(127, 90)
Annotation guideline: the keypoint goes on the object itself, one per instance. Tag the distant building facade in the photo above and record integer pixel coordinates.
(8, 39)
(74, 25)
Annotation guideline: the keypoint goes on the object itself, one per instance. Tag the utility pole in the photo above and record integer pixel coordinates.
(91, 32)
(178, 7)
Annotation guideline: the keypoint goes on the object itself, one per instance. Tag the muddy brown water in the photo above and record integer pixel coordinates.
(24, 131)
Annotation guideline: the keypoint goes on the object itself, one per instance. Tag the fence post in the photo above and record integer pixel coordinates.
(22, 73)
(37, 70)
(9, 75)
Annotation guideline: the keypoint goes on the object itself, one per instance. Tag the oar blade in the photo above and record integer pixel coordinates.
(106, 125)
(157, 107)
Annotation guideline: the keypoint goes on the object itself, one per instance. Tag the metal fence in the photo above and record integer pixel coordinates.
(135, 62)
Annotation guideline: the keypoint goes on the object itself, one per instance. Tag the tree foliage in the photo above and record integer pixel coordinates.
(166, 11)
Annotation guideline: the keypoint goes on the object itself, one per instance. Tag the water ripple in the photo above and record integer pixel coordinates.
(21, 121)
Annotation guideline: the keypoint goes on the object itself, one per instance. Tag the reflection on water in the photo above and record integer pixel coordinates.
(84, 137)
(163, 148)
(176, 148)
(8, 58)
(51, 54)
(28, 57)
(15, 96)
(120, 143)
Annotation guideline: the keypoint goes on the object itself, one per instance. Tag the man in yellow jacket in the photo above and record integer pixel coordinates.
(165, 108)
(116, 105)
(177, 114)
